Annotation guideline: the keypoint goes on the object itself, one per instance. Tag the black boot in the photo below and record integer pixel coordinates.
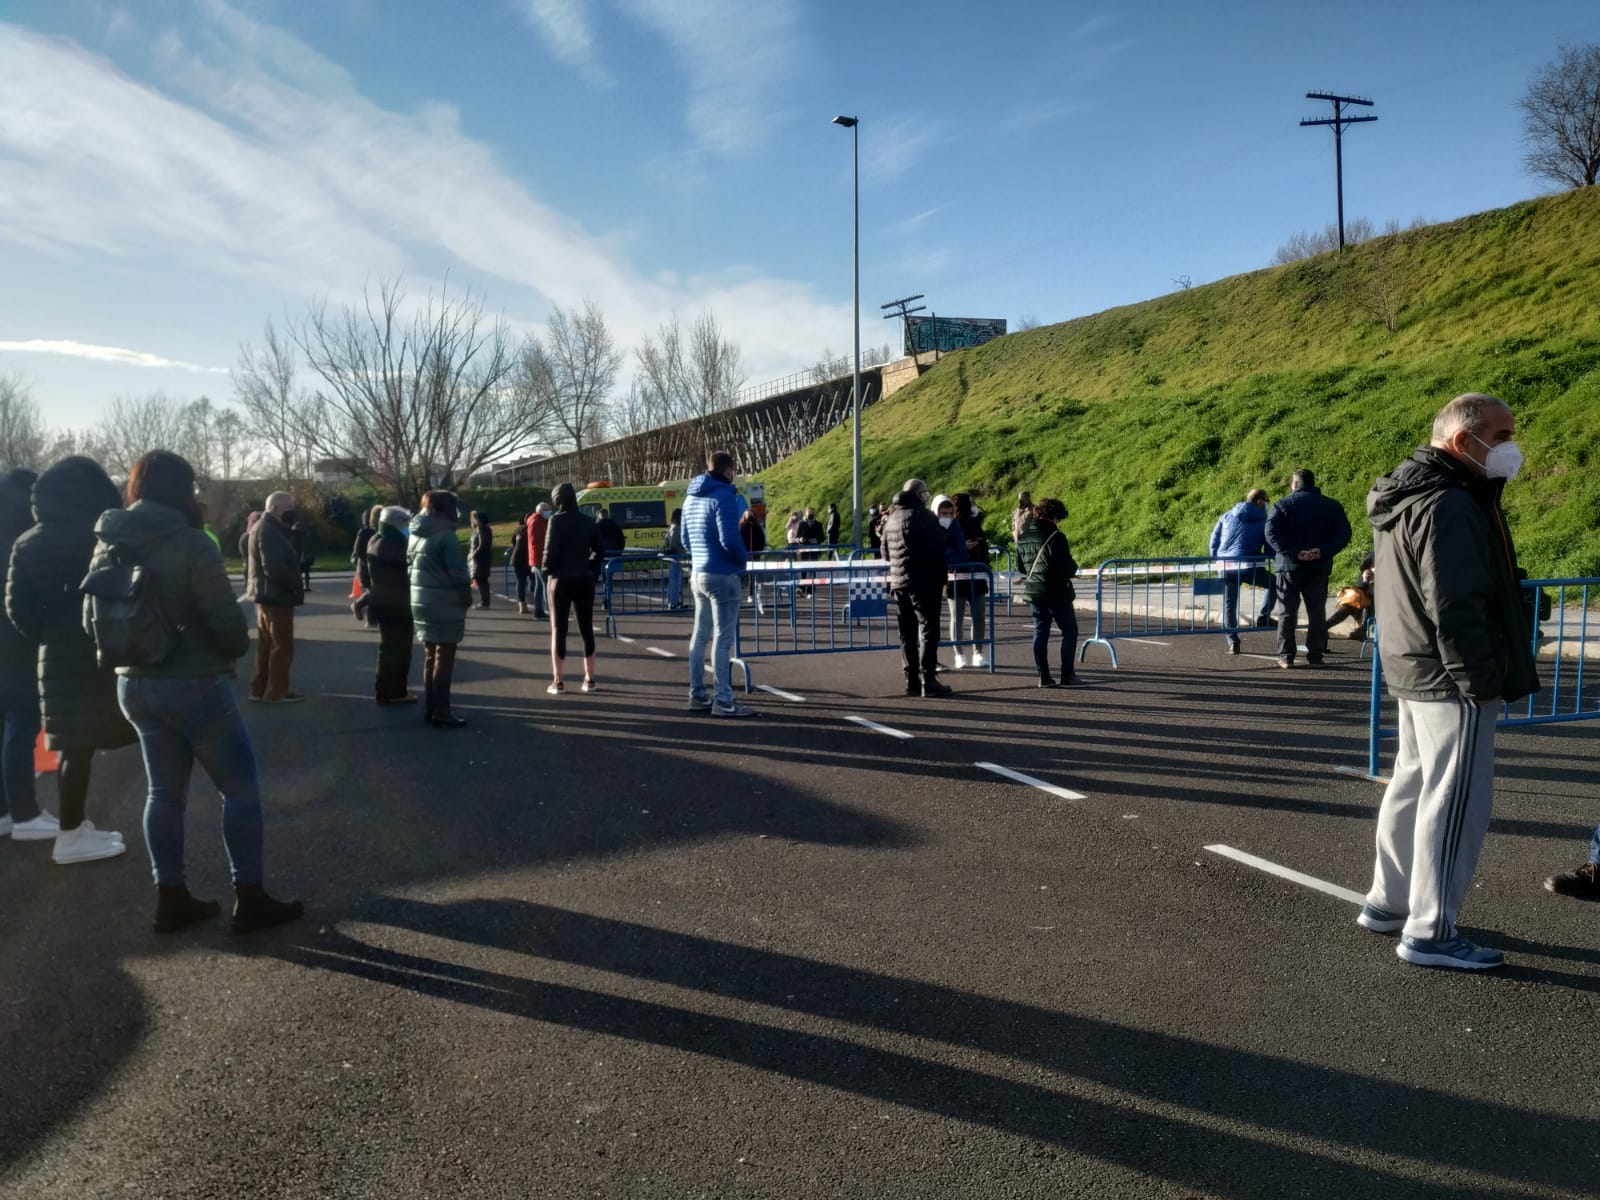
(1047, 680)
(176, 909)
(253, 909)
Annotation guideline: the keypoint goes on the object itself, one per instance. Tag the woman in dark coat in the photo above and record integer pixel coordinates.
(970, 593)
(383, 571)
(481, 553)
(571, 550)
(1045, 559)
(19, 683)
(78, 697)
(520, 566)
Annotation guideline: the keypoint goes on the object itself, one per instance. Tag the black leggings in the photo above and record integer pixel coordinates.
(72, 785)
(572, 594)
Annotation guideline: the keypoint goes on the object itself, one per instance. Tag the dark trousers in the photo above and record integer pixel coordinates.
(274, 651)
(566, 597)
(918, 615)
(438, 664)
(482, 580)
(522, 574)
(395, 633)
(1231, 582)
(1062, 616)
(72, 786)
(1312, 588)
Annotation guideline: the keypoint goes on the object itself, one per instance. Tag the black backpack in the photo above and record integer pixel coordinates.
(122, 615)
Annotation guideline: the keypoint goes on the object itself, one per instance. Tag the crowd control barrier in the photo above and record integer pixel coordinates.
(1172, 597)
(537, 595)
(1560, 642)
(637, 582)
(822, 607)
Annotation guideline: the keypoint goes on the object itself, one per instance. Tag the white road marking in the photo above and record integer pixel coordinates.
(1272, 868)
(660, 651)
(899, 733)
(1135, 641)
(780, 693)
(1019, 777)
(620, 638)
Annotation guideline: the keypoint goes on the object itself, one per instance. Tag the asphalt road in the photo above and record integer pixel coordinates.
(598, 946)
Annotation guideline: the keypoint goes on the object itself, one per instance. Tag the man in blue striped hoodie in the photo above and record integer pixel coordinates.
(716, 562)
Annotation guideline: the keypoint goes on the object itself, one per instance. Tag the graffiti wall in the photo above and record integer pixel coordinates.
(950, 333)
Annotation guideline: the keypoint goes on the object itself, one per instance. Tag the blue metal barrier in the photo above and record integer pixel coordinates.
(832, 608)
(637, 582)
(1559, 642)
(536, 585)
(1003, 565)
(1169, 597)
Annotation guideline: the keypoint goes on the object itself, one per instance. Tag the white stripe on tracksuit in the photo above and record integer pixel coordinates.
(1435, 813)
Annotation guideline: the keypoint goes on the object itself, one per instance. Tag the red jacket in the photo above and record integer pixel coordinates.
(537, 524)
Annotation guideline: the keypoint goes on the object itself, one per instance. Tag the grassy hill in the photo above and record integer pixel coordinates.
(1150, 420)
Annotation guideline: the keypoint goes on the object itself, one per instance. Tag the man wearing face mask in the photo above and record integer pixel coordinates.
(914, 543)
(1456, 642)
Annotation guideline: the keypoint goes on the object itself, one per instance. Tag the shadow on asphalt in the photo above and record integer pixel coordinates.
(1276, 1097)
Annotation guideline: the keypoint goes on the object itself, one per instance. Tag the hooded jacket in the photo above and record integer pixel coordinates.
(386, 574)
(572, 548)
(1241, 532)
(914, 544)
(440, 584)
(191, 588)
(1305, 519)
(711, 526)
(1445, 583)
(78, 698)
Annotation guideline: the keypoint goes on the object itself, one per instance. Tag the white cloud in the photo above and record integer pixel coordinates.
(892, 145)
(734, 55)
(105, 354)
(258, 165)
(565, 29)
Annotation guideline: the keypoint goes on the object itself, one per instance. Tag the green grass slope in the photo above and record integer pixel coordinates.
(1150, 420)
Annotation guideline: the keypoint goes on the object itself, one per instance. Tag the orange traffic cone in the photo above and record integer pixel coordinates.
(45, 760)
(355, 587)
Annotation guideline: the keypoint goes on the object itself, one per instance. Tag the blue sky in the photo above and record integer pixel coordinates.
(173, 172)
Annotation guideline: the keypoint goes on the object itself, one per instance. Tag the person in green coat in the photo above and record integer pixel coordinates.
(441, 593)
(1045, 559)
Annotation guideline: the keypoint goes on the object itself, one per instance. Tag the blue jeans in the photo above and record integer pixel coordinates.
(180, 721)
(1230, 598)
(1594, 847)
(16, 763)
(1063, 617)
(716, 616)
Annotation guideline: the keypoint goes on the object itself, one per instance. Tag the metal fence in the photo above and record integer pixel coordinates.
(1171, 597)
(823, 607)
(1560, 645)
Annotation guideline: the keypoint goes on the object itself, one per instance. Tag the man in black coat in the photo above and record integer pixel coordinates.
(273, 580)
(830, 532)
(913, 542)
(1305, 530)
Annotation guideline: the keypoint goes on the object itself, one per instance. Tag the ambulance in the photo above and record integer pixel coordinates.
(643, 512)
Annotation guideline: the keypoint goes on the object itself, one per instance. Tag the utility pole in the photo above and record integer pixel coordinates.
(1338, 121)
(904, 314)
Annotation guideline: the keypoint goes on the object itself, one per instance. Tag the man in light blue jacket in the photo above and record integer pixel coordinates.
(716, 561)
(1241, 533)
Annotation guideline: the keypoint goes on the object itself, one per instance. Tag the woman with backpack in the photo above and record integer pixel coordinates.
(78, 697)
(183, 705)
(441, 593)
(1045, 559)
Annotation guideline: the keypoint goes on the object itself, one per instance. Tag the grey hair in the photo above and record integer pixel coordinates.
(396, 516)
(1465, 414)
(278, 501)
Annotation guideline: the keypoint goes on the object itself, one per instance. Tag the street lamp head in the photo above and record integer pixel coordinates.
(847, 122)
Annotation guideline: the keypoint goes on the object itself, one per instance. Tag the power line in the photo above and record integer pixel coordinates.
(1338, 121)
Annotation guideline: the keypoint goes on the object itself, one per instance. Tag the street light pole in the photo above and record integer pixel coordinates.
(853, 124)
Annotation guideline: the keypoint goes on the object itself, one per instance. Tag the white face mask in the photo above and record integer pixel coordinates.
(1503, 461)
(947, 521)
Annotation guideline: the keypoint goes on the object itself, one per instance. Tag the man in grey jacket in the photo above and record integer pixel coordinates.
(1456, 642)
(273, 580)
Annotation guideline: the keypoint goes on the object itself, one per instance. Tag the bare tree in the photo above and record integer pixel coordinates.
(412, 403)
(277, 409)
(715, 365)
(133, 426)
(24, 440)
(566, 379)
(231, 437)
(1561, 118)
(661, 395)
(1309, 245)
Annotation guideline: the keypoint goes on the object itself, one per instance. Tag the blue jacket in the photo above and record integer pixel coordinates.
(711, 526)
(1241, 532)
(1306, 520)
(955, 545)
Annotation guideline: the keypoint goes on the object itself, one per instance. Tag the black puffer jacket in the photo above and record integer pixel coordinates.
(272, 566)
(19, 658)
(913, 542)
(78, 698)
(386, 575)
(572, 547)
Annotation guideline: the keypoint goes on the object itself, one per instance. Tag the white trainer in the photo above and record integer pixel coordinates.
(977, 658)
(960, 662)
(85, 844)
(110, 833)
(40, 829)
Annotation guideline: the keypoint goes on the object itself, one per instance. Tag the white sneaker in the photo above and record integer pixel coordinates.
(90, 825)
(85, 844)
(977, 658)
(960, 662)
(41, 828)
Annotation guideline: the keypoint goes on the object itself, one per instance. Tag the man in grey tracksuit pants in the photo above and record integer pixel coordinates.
(1456, 641)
